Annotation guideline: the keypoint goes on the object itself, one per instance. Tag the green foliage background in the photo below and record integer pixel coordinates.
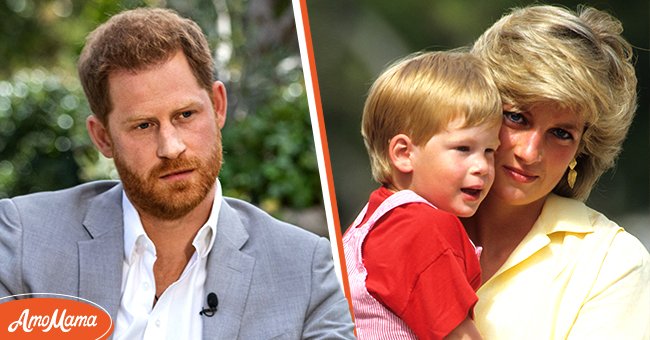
(268, 142)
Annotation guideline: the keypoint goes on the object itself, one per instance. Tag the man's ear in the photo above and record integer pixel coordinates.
(100, 136)
(220, 102)
(400, 149)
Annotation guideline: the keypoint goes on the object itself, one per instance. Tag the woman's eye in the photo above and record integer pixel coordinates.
(462, 148)
(514, 117)
(562, 134)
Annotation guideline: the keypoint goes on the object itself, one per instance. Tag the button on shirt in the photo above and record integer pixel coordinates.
(176, 313)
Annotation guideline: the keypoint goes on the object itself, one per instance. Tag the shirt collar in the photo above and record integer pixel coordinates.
(561, 214)
(204, 239)
(134, 233)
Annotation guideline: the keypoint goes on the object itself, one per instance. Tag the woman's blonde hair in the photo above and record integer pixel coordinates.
(419, 95)
(578, 60)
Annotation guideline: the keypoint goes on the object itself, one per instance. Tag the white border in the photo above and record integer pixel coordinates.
(315, 127)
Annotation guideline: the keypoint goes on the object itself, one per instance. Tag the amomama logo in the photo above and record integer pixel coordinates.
(53, 316)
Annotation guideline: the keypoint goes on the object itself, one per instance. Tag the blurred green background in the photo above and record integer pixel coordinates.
(354, 40)
(268, 141)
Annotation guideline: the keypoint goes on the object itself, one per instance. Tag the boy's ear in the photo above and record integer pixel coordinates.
(400, 148)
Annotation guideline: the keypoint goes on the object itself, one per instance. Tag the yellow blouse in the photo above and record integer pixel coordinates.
(576, 275)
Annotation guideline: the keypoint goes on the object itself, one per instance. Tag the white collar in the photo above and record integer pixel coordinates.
(134, 233)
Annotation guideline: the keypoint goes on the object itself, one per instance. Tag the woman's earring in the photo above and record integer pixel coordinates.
(571, 177)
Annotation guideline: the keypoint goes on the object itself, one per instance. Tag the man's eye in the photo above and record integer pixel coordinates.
(186, 114)
(462, 148)
(143, 126)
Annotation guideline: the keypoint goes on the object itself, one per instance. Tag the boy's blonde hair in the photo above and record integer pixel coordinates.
(419, 96)
(577, 60)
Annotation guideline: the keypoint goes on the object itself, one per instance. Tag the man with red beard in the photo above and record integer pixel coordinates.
(150, 248)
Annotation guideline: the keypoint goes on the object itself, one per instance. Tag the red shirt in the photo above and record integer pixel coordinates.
(421, 266)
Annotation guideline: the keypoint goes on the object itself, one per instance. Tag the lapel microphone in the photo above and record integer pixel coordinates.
(213, 302)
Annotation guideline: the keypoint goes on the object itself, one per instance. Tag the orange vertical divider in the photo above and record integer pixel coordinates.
(326, 155)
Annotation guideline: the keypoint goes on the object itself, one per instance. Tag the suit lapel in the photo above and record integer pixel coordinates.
(229, 270)
(229, 275)
(100, 259)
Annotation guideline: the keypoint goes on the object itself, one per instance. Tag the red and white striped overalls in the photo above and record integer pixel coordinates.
(372, 319)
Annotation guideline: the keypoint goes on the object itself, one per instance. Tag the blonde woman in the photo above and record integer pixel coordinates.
(552, 267)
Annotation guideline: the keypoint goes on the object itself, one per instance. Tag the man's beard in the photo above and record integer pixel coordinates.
(170, 201)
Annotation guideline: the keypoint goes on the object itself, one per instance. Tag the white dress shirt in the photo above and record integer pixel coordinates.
(176, 314)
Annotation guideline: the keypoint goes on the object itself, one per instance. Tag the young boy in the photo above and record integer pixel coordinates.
(430, 124)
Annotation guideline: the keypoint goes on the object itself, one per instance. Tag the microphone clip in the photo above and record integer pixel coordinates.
(213, 302)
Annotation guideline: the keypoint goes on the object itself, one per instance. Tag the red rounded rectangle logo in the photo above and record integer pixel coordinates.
(53, 316)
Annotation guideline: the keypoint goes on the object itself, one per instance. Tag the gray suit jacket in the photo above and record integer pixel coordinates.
(273, 280)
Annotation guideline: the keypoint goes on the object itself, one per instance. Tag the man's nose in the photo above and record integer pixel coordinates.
(170, 142)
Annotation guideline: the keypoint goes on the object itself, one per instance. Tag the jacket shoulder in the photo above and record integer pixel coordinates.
(45, 210)
(79, 193)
